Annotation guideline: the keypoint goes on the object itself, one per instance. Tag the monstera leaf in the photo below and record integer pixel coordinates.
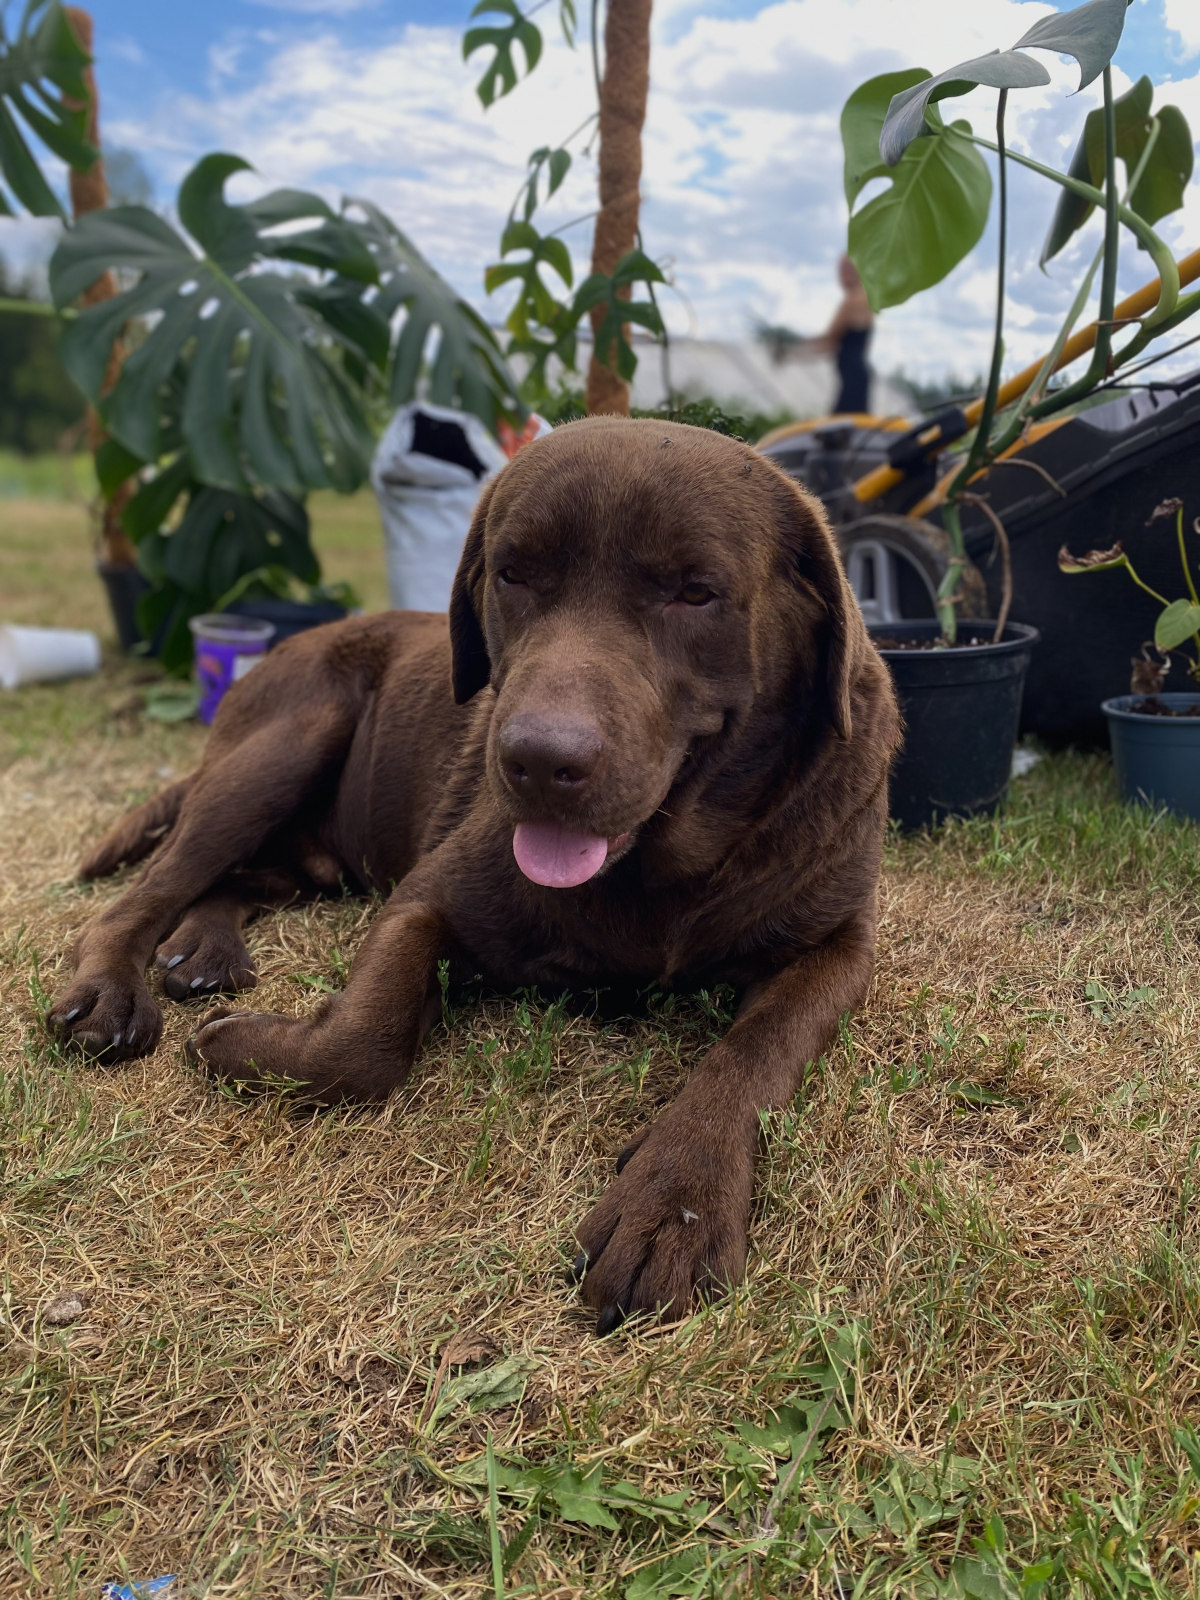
(906, 120)
(610, 291)
(1090, 33)
(535, 304)
(1160, 189)
(501, 74)
(468, 369)
(44, 57)
(265, 400)
(862, 123)
(935, 207)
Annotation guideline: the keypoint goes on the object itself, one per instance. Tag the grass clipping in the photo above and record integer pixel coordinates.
(334, 1354)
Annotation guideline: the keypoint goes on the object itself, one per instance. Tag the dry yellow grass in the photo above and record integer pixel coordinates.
(989, 1183)
(222, 1322)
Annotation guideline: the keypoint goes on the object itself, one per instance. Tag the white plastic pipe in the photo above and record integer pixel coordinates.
(36, 655)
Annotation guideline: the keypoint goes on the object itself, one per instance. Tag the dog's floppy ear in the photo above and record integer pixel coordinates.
(470, 666)
(814, 560)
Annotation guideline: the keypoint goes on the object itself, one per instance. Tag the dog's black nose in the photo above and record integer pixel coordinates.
(546, 756)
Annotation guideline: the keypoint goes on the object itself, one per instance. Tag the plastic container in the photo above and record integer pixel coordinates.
(38, 655)
(225, 648)
(124, 586)
(288, 617)
(1157, 759)
(961, 709)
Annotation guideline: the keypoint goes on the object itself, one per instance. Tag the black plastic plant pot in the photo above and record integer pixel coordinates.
(961, 709)
(288, 616)
(124, 586)
(1157, 758)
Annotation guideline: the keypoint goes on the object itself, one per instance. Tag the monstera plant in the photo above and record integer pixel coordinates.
(259, 340)
(938, 196)
(42, 86)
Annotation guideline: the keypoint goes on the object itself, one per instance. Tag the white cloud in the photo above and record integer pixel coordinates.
(1183, 17)
(742, 156)
(125, 48)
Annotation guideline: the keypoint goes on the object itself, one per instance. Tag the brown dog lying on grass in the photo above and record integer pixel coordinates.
(664, 761)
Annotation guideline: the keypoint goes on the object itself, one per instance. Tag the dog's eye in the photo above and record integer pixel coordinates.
(696, 594)
(511, 575)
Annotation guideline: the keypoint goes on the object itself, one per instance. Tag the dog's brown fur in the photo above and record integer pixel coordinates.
(740, 751)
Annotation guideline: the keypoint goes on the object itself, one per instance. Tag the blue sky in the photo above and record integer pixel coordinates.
(742, 185)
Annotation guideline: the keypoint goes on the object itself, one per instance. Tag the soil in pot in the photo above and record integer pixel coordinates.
(1154, 706)
(1156, 749)
(961, 709)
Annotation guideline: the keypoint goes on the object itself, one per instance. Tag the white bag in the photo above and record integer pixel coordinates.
(426, 500)
(36, 655)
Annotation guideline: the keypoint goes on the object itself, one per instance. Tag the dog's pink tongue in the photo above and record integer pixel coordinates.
(556, 856)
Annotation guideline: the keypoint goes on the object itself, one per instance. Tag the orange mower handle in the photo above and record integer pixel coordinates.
(881, 479)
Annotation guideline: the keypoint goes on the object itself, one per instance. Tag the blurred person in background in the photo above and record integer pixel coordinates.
(846, 340)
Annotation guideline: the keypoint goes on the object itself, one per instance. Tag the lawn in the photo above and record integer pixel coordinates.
(272, 1352)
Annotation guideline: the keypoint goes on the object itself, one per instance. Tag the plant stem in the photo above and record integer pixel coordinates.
(1112, 239)
(1187, 571)
(1036, 390)
(1183, 310)
(1159, 252)
(980, 443)
(1161, 598)
(596, 73)
(28, 308)
(494, 1522)
(948, 588)
(951, 520)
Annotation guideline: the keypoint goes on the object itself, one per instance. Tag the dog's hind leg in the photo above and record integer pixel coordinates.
(206, 954)
(261, 768)
(136, 835)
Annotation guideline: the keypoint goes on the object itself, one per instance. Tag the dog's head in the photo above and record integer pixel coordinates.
(632, 591)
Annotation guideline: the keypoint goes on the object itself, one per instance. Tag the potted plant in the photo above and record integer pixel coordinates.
(1155, 736)
(961, 679)
(260, 355)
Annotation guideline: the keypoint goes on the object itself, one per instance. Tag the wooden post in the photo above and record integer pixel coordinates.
(623, 95)
(89, 192)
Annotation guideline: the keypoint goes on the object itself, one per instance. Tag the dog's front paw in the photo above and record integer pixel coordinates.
(671, 1228)
(106, 1017)
(200, 960)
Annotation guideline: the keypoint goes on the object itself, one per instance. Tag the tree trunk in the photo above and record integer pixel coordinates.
(622, 112)
(89, 192)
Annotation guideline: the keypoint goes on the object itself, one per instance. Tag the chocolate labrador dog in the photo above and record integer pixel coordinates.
(650, 744)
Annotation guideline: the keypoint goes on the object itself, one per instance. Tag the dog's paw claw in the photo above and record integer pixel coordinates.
(106, 1019)
(211, 960)
(577, 1268)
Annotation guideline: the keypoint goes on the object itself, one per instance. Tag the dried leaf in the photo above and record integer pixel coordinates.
(463, 1350)
(467, 1348)
(1149, 674)
(1093, 561)
(373, 1374)
(66, 1307)
(1165, 508)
